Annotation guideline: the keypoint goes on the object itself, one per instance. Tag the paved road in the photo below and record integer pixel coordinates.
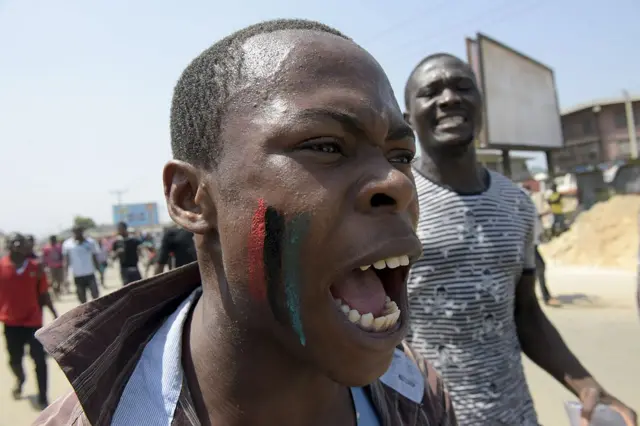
(600, 324)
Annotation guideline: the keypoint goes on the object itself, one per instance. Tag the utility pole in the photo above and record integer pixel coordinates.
(119, 193)
(631, 125)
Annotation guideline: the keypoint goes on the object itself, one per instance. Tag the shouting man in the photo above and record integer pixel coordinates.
(472, 294)
(23, 292)
(292, 168)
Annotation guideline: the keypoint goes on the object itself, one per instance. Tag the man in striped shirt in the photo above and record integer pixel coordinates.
(472, 295)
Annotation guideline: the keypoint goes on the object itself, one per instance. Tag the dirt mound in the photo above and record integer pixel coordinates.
(606, 235)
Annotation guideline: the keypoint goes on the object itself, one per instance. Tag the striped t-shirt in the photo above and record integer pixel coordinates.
(462, 294)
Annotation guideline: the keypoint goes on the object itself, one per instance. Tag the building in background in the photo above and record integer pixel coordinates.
(595, 133)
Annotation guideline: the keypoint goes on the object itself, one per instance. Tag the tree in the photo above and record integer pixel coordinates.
(84, 222)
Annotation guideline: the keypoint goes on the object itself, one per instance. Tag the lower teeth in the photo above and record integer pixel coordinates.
(367, 321)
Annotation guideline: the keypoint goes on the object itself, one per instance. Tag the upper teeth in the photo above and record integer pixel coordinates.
(454, 119)
(392, 262)
(367, 321)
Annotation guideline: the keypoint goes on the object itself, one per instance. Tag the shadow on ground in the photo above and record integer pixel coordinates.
(581, 300)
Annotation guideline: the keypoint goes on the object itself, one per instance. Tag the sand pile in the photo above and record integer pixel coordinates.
(606, 235)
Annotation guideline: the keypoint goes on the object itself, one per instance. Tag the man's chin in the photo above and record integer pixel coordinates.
(453, 145)
(361, 373)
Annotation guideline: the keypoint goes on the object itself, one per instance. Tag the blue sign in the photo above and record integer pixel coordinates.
(136, 214)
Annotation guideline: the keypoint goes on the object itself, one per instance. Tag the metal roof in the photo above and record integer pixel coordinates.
(597, 102)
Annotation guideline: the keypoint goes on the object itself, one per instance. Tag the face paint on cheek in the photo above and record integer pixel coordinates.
(274, 235)
(257, 285)
(297, 229)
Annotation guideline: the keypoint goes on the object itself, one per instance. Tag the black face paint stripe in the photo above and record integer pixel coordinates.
(274, 233)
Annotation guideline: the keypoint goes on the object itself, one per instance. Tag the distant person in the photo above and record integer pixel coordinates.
(127, 249)
(31, 244)
(555, 204)
(52, 259)
(152, 253)
(102, 257)
(23, 293)
(541, 267)
(80, 254)
(179, 243)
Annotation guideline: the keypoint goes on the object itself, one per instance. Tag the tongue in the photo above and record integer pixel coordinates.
(361, 290)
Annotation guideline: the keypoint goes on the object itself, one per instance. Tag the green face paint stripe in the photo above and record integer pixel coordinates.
(296, 231)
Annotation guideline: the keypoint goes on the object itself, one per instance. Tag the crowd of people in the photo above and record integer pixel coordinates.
(27, 279)
(337, 281)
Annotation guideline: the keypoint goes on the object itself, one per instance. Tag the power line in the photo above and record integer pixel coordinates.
(475, 21)
(416, 15)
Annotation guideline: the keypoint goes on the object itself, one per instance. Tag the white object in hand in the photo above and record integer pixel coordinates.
(603, 415)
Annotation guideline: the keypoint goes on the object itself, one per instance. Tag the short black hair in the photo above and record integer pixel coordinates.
(407, 86)
(201, 94)
(123, 225)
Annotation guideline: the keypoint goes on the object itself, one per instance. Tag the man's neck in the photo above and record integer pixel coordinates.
(459, 171)
(245, 378)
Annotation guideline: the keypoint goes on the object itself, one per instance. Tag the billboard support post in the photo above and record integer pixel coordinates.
(506, 163)
(551, 168)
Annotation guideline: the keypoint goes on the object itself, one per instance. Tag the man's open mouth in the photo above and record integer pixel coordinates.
(366, 294)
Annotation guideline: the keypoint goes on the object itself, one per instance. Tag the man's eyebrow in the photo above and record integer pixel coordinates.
(352, 123)
(346, 120)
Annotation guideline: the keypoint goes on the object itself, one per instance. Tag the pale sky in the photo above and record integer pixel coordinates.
(85, 86)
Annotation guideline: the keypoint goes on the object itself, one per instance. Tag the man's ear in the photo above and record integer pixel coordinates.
(188, 200)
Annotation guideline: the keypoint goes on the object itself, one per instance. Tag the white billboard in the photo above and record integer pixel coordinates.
(473, 56)
(521, 104)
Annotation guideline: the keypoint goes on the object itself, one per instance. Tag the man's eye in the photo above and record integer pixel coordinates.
(324, 147)
(425, 94)
(405, 157)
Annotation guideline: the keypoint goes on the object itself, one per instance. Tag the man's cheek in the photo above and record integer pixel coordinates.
(275, 270)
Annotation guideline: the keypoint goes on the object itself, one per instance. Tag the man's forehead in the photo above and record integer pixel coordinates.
(442, 68)
(265, 55)
(268, 54)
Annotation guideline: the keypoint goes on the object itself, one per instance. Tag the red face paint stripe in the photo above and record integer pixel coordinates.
(257, 284)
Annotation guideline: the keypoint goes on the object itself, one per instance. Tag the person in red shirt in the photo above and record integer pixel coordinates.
(23, 292)
(52, 258)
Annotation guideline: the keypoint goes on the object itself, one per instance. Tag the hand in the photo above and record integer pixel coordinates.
(594, 395)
